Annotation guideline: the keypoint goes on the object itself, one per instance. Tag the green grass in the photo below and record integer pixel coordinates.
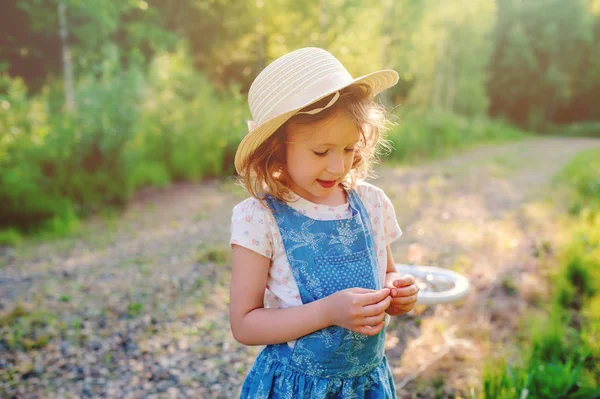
(582, 177)
(64, 298)
(562, 357)
(135, 309)
(10, 237)
(28, 330)
(213, 255)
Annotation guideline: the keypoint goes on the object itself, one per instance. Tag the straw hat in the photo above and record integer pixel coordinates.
(292, 82)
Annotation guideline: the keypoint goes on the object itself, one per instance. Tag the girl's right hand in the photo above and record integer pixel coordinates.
(358, 309)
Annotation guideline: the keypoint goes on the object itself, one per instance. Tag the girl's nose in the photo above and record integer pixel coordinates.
(335, 165)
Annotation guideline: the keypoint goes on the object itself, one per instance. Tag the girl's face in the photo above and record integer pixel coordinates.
(319, 156)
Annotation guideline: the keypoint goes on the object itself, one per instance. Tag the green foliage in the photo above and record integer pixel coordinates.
(504, 382)
(590, 333)
(135, 309)
(129, 130)
(216, 255)
(442, 50)
(427, 135)
(580, 129)
(564, 354)
(22, 329)
(558, 364)
(509, 285)
(582, 176)
(64, 298)
(137, 29)
(57, 167)
(580, 278)
(160, 86)
(23, 129)
(186, 129)
(541, 51)
(10, 237)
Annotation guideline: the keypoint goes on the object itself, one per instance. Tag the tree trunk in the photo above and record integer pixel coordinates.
(260, 39)
(66, 56)
(323, 18)
(436, 95)
(450, 93)
(386, 38)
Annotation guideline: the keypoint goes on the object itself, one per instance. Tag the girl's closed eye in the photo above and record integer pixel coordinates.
(322, 154)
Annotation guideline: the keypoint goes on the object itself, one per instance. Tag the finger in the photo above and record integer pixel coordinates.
(404, 300)
(373, 320)
(375, 297)
(392, 311)
(404, 281)
(396, 311)
(376, 308)
(360, 290)
(389, 284)
(405, 291)
(370, 330)
(402, 309)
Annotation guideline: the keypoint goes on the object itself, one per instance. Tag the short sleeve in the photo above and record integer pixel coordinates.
(250, 227)
(390, 224)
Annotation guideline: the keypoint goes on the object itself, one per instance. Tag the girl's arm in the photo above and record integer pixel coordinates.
(356, 309)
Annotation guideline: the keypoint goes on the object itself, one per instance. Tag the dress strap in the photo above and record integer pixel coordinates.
(357, 204)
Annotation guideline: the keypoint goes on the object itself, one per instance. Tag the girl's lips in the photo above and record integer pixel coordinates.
(327, 183)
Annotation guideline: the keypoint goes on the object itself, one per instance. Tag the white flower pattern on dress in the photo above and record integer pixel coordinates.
(345, 234)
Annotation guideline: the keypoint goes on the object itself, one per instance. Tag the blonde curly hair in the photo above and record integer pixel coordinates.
(263, 171)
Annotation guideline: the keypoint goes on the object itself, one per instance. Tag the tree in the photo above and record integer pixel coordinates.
(66, 56)
(540, 47)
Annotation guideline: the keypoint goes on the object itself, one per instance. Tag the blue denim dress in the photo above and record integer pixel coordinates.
(325, 257)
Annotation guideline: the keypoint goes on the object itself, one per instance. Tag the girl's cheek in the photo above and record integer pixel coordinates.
(349, 163)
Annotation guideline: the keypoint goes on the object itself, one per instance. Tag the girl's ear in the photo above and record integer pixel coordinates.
(358, 158)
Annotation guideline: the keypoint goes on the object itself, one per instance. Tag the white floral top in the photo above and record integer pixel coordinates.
(253, 227)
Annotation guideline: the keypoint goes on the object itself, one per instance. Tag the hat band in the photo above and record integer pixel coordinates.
(318, 89)
(317, 110)
(252, 125)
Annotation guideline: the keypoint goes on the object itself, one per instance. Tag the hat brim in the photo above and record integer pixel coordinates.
(377, 81)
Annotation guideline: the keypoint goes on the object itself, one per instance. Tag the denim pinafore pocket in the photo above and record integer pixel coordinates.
(340, 272)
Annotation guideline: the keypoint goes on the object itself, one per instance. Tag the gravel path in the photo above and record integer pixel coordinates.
(135, 304)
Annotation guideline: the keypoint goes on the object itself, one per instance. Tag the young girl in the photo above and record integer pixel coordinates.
(313, 275)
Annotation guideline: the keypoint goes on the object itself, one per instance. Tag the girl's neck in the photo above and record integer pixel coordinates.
(338, 197)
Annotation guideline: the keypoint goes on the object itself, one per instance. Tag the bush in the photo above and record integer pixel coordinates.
(429, 135)
(129, 130)
(582, 176)
(186, 129)
(579, 129)
(9, 237)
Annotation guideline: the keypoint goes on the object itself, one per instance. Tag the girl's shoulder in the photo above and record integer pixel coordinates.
(250, 208)
(252, 227)
(373, 197)
(367, 190)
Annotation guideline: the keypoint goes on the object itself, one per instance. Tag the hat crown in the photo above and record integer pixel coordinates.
(288, 76)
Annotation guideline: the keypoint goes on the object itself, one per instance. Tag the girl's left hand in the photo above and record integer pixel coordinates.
(403, 291)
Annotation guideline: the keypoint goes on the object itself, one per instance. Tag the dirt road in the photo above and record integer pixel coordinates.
(135, 305)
